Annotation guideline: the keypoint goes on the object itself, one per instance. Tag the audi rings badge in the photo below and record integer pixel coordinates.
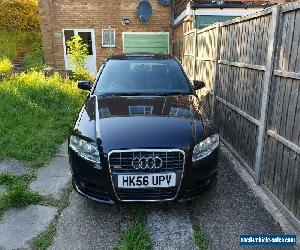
(144, 163)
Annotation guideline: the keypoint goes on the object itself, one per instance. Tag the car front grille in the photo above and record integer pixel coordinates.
(121, 162)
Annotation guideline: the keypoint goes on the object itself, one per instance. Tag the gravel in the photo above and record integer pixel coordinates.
(87, 225)
(230, 210)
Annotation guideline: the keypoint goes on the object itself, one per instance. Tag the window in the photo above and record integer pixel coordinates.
(68, 35)
(204, 21)
(108, 38)
(87, 39)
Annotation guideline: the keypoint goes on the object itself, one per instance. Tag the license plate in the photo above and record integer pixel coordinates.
(147, 181)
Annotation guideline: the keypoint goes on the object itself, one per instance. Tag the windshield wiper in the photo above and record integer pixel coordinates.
(173, 93)
(124, 94)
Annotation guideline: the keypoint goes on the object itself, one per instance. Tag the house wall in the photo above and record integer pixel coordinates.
(90, 14)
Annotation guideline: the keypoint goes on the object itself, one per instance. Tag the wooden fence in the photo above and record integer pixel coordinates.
(251, 66)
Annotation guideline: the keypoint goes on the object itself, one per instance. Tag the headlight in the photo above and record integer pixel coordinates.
(205, 147)
(86, 150)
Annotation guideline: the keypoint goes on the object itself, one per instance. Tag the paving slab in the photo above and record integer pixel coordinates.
(19, 226)
(14, 167)
(3, 189)
(170, 227)
(231, 210)
(87, 225)
(63, 149)
(53, 180)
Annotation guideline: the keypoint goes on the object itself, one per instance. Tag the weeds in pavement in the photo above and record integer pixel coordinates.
(18, 193)
(200, 237)
(136, 237)
(44, 240)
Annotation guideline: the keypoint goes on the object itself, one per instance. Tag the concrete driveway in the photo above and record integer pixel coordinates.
(225, 213)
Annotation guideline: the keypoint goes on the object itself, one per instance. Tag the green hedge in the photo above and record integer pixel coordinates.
(19, 15)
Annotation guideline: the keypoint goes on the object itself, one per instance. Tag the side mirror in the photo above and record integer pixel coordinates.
(199, 85)
(85, 85)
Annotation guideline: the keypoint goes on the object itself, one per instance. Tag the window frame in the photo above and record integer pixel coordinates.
(114, 35)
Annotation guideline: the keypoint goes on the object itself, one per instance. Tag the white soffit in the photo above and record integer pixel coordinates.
(216, 12)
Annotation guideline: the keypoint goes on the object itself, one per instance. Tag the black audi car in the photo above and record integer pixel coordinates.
(142, 134)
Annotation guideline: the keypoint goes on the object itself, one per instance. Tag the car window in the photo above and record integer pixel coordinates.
(142, 77)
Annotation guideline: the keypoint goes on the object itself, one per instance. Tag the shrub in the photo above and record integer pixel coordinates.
(78, 52)
(82, 74)
(19, 15)
(5, 65)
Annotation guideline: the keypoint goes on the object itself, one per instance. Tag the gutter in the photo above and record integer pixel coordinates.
(229, 5)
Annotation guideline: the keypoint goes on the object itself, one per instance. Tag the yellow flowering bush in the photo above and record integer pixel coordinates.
(19, 15)
(5, 65)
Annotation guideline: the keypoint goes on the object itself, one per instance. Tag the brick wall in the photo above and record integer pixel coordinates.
(56, 15)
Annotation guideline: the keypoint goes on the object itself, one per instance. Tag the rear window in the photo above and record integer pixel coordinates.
(142, 76)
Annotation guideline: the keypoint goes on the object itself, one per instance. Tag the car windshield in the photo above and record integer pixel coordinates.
(142, 77)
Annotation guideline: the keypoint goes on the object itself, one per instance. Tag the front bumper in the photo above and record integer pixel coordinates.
(96, 184)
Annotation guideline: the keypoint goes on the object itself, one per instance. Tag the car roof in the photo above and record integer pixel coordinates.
(140, 56)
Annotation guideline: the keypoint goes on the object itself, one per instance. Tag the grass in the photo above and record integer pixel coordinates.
(34, 58)
(5, 65)
(200, 238)
(44, 240)
(18, 193)
(10, 44)
(11, 41)
(36, 115)
(136, 237)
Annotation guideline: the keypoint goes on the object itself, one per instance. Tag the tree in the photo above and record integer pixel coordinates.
(78, 52)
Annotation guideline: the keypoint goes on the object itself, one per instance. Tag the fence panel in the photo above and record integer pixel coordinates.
(281, 162)
(205, 62)
(242, 66)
